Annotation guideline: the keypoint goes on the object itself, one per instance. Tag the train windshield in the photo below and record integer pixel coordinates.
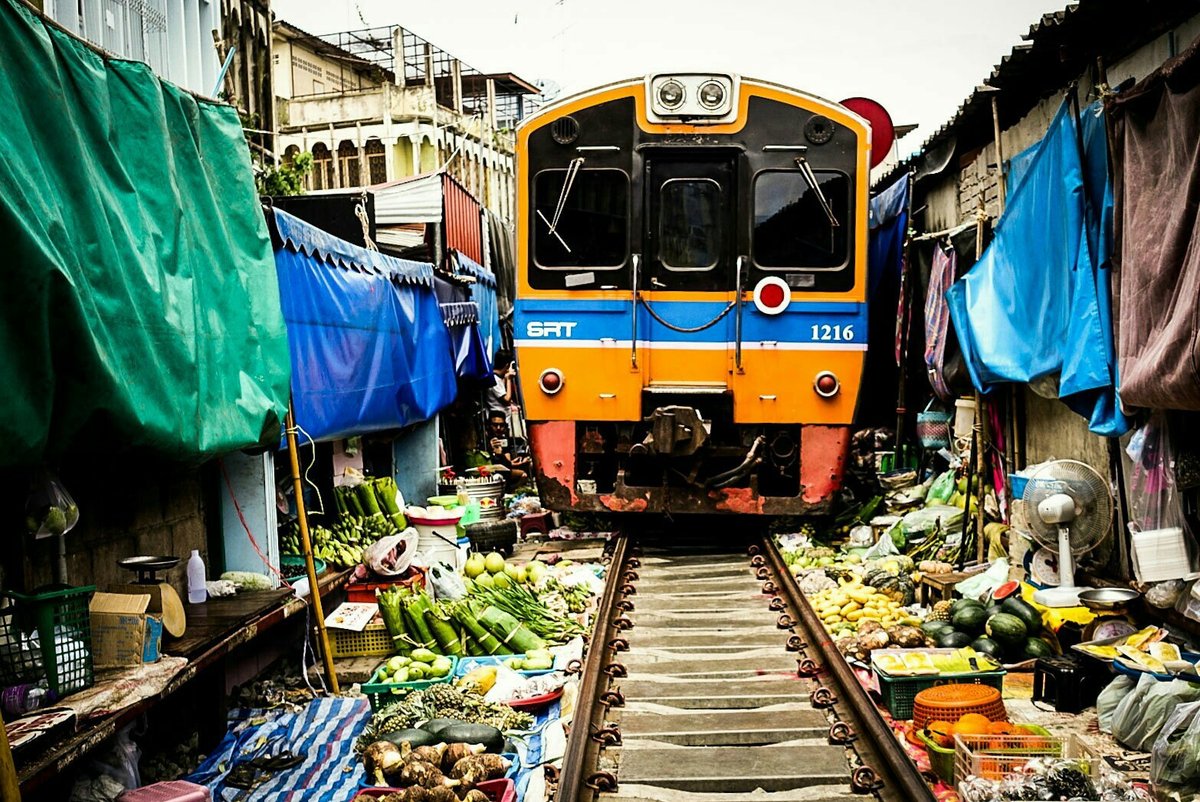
(793, 228)
(690, 224)
(581, 219)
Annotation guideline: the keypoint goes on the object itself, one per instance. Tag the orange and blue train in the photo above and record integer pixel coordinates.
(691, 319)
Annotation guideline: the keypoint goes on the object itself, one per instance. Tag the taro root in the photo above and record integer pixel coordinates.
(381, 758)
(426, 754)
(425, 775)
(479, 768)
(475, 795)
(456, 752)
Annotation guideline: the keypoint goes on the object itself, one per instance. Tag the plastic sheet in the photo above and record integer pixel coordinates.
(138, 309)
(369, 348)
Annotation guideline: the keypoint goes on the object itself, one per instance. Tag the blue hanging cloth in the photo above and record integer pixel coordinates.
(1037, 305)
(369, 348)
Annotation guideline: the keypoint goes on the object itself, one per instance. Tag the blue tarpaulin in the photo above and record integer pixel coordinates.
(461, 316)
(888, 223)
(483, 292)
(1037, 305)
(369, 348)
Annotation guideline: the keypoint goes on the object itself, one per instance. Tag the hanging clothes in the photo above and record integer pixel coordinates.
(1156, 126)
(885, 254)
(937, 319)
(1036, 305)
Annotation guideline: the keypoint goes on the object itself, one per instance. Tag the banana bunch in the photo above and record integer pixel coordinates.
(343, 544)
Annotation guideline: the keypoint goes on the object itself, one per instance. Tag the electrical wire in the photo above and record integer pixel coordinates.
(246, 526)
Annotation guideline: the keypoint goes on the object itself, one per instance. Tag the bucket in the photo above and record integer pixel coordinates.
(964, 417)
(486, 491)
(439, 540)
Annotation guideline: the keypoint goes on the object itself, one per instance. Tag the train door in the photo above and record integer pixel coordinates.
(689, 277)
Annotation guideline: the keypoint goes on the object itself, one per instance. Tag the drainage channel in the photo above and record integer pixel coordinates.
(709, 677)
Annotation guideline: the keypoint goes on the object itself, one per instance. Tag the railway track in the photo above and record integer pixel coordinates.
(709, 677)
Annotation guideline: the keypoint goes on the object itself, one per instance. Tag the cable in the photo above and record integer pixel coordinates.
(683, 329)
(312, 462)
(241, 517)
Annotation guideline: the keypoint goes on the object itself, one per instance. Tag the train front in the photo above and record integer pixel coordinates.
(690, 322)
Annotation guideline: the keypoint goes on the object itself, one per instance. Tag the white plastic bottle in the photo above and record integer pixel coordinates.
(197, 592)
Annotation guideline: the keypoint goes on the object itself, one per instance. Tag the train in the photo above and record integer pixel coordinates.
(690, 317)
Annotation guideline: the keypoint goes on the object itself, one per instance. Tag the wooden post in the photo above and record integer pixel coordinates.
(10, 787)
(314, 591)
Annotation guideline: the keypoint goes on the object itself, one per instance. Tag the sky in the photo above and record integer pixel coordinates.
(919, 58)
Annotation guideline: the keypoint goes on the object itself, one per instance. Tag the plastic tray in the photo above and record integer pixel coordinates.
(292, 563)
(376, 691)
(467, 664)
(1123, 667)
(1006, 754)
(364, 592)
(941, 758)
(535, 702)
(496, 790)
(374, 641)
(899, 692)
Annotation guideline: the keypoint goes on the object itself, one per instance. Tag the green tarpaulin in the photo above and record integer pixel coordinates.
(138, 302)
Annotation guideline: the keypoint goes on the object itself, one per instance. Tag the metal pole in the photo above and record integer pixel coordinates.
(10, 787)
(310, 568)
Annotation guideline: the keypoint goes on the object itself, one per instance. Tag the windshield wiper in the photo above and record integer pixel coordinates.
(568, 182)
(811, 178)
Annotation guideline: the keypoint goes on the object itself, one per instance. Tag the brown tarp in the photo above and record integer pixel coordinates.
(1156, 129)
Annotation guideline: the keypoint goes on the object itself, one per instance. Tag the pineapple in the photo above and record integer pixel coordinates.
(941, 612)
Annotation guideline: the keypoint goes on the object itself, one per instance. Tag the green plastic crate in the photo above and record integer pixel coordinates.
(377, 692)
(48, 637)
(899, 692)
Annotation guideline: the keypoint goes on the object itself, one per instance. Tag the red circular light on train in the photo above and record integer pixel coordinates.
(827, 384)
(551, 381)
(772, 295)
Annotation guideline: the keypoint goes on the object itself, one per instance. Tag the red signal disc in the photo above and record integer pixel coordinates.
(883, 132)
(772, 295)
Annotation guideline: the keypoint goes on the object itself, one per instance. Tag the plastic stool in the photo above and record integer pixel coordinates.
(535, 522)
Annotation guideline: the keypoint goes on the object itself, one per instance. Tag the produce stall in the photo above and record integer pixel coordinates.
(995, 693)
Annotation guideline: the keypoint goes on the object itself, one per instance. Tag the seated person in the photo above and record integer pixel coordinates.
(500, 446)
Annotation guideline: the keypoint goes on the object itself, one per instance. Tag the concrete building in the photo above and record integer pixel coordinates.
(377, 105)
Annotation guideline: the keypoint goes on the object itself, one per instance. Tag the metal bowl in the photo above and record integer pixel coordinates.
(1107, 598)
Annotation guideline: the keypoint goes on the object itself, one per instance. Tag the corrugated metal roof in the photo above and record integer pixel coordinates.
(1058, 48)
(414, 200)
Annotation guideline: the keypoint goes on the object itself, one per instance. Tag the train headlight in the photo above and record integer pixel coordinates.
(671, 95)
(772, 295)
(551, 381)
(712, 95)
(826, 384)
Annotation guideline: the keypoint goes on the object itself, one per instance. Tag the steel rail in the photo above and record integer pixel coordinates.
(582, 750)
(876, 742)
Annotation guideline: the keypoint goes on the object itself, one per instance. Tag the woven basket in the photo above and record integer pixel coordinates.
(933, 427)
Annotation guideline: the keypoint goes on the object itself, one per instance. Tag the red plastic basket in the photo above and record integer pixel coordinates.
(364, 592)
(496, 790)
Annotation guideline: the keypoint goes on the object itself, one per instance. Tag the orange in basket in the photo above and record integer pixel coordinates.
(952, 702)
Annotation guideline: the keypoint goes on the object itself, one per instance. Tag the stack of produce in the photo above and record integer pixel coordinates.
(420, 664)
(372, 497)
(367, 512)
(443, 761)
(460, 704)
(1006, 630)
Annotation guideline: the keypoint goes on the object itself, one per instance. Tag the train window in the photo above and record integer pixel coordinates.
(792, 228)
(581, 220)
(689, 221)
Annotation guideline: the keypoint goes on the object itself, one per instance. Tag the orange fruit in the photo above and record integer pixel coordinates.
(940, 732)
(1000, 728)
(972, 724)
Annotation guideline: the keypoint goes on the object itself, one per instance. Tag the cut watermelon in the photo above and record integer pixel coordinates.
(1004, 591)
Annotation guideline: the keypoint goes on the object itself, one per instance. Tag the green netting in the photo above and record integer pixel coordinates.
(138, 301)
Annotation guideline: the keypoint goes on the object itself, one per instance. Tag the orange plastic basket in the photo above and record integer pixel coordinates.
(952, 702)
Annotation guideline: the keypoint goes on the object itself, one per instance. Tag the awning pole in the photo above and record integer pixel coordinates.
(310, 568)
(10, 788)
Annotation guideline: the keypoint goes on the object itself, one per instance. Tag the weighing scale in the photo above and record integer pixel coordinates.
(163, 598)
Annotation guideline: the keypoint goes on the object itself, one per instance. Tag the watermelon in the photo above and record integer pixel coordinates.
(970, 620)
(961, 604)
(953, 640)
(1037, 647)
(935, 628)
(1006, 629)
(989, 647)
(1025, 611)
(993, 609)
(1004, 591)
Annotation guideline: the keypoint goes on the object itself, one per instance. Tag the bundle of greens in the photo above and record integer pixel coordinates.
(523, 604)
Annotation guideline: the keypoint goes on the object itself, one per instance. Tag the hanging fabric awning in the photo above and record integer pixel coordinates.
(461, 315)
(1036, 307)
(138, 308)
(1156, 126)
(368, 345)
(483, 291)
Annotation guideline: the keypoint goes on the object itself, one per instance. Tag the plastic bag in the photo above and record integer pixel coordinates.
(975, 587)
(942, 489)
(49, 509)
(1110, 698)
(1143, 713)
(390, 556)
(928, 520)
(884, 547)
(446, 582)
(1175, 762)
(1165, 594)
(1162, 544)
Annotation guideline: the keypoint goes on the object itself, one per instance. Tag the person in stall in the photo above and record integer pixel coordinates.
(500, 443)
(499, 396)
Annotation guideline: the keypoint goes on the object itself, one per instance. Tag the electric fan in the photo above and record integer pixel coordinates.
(1069, 508)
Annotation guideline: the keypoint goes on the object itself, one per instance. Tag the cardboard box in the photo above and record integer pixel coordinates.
(123, 632)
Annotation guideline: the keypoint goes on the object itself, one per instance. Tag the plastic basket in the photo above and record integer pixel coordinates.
(496, 790)
(374, 641)
(295, 569)
(899, 693)
(48, 637)
(933, 427)
(468, 664)
(364, 592)
(941, 758)
(377, 692)
(997, 756)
